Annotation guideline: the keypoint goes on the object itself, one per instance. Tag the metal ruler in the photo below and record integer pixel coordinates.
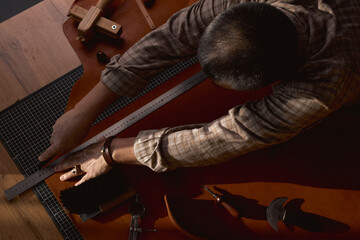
(124, 123)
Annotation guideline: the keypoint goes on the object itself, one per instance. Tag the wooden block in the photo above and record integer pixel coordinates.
(89, 21)
(103, 25)
(102, 4)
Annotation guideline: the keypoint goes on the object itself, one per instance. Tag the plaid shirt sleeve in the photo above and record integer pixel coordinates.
(291, 109)
(171, 43)
(323, 84)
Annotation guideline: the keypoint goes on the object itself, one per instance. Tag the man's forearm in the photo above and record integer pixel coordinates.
(95, 102)
(122, 151)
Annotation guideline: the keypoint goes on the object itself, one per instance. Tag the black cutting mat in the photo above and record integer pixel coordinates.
(25, 130)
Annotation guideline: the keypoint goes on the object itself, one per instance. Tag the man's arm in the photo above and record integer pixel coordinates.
(73, 126)
(169, 44)
(293, 107)
(127, 75)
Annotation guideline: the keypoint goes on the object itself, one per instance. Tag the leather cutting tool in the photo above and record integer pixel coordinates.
(219, 199)
(276, 212)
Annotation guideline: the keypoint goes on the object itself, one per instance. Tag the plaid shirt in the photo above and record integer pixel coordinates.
(329, 40)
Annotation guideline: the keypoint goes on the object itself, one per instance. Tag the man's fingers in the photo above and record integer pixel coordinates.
(51, 151)
(70, 161)
(67, 176)
(82, 180)
(70, 174)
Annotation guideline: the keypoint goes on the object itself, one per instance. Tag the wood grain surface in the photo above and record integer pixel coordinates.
(34, 50)
(33, 53)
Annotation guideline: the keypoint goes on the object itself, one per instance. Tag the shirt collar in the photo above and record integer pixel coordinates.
(303, 31)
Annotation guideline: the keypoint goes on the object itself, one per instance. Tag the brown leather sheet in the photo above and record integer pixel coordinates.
(317, 170)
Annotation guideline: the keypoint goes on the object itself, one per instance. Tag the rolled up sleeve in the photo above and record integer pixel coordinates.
(171, 43)
(148, 152)
(291, 109)
(245, 128)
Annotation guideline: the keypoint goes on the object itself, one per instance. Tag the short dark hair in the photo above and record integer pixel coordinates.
(248, 46)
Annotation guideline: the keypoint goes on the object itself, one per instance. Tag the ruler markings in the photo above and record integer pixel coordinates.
(126, 122)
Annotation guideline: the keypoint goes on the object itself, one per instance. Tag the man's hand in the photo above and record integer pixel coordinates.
(73, 126)
(91, 161)
(68, 131)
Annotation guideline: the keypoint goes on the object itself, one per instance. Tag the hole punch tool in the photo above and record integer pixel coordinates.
(136, 209)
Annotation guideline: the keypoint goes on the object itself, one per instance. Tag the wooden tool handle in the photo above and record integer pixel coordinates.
(145, 13)
(103, 3)
(230, 209)
(91, 18)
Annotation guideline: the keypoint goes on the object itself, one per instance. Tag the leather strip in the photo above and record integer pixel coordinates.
(105, 150)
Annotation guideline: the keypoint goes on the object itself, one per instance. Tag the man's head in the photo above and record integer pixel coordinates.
(248, 46)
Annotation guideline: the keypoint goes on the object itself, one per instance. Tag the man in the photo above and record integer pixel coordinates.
(311, 46)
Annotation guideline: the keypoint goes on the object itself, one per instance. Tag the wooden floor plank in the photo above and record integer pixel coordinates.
(34, 50)
(33, 53)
